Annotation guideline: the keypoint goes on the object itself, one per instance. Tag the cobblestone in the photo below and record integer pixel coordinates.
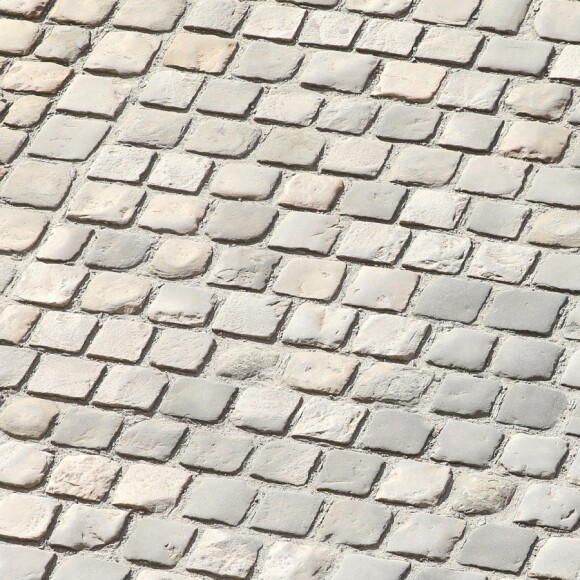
(288, 289)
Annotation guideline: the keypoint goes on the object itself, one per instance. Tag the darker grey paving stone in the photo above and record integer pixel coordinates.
(532, 406)
(466, 396)
(496, 547)
(265, 409)
(243, 267)
(197, 399)
(481, 492)
(452, 299)
(378, 201)
(208, 450)
(228, 97)
(408, 123)
(150, 439)
(426, 536)
(550, 506)
(370, 568)
(158, 541)
(286, 512)
(396, 431)
(24, 563)
(461, 349)
(355, 523)
(118, 250)
(239, 221)
(526, 358)
(87, 428)
(525, 310)
(497, 219)
(346, 116)
(218, 499)
(348, 472)
(466, 443)
(88, 568)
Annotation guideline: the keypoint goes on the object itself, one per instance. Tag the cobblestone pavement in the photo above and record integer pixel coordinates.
(289, 289)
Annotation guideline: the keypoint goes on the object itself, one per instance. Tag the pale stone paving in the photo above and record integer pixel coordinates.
(289, 289)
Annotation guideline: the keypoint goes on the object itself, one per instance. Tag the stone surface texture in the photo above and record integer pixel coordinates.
(289, 289)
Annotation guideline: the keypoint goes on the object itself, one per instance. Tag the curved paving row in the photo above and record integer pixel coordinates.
(289, 290)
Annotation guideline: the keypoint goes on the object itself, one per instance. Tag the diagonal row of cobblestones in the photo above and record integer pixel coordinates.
(289, 289)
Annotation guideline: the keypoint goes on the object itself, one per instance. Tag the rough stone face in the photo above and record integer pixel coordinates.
(414, 483)
(354, 523)
(481, 493)
(222, 552)
(150, 488)
(387, 336)
(87, 477)
(390, 382)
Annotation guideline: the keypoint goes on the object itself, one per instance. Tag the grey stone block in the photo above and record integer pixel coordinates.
(286, 513)
(197, 399)
(354, 523)
(466, 443)
(524, 310)
(396, 431)
(497, 547)
(218, 499)
(426, 536)
(526, 358)
(465, 395)
(158, 541)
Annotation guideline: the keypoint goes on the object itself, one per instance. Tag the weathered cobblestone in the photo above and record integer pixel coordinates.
(288, 289)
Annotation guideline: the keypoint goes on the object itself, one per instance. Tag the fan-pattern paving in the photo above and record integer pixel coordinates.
(289, 289)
